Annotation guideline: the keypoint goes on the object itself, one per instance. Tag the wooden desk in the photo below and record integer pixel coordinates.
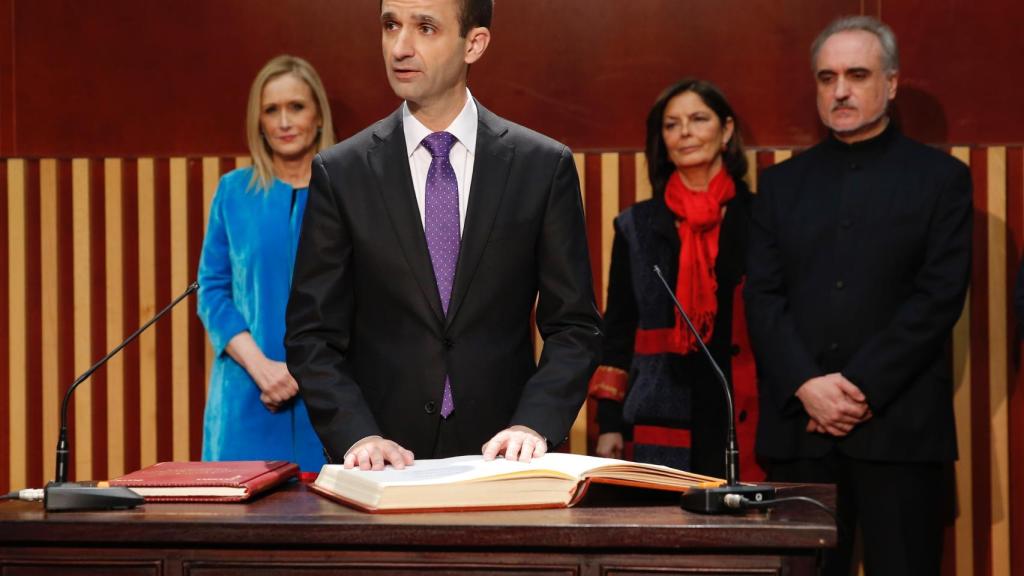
(294, 531)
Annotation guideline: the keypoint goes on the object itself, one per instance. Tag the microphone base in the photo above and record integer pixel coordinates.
(69, 496)
(712, 500)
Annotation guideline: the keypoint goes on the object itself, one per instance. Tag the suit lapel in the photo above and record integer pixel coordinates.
(389, 161)
(491, 169)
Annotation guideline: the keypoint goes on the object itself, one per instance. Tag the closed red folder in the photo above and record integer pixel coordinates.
(207, 481)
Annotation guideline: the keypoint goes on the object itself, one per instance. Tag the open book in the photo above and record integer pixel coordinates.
(554, 480)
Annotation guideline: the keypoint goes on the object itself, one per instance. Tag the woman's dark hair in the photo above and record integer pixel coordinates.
(659, 166)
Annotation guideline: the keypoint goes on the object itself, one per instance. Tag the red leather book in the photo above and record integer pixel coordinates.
(207, 481)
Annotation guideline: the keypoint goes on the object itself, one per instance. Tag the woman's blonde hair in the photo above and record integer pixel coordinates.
(263, 166)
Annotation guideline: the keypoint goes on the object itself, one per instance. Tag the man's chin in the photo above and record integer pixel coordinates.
(845, 123)
(856, 133)
(404, 90)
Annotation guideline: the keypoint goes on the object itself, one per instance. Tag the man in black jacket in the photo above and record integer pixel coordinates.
(427, 239)
(858, 268)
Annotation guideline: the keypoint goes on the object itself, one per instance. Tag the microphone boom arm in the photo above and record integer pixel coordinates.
(731, 450)
(62, 441)
(733, 495)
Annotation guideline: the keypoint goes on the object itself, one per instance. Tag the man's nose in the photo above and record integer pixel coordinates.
(842, 88)
(404, 45)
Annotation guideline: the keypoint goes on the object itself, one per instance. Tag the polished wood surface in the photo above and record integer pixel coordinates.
(295, 515)
(293, 530)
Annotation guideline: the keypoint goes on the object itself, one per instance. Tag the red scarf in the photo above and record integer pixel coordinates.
(700, 216)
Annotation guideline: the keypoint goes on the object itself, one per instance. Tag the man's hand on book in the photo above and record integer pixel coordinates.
(516, 443)
(374, 452)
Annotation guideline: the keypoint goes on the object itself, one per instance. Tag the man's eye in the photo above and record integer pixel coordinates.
(427, 29)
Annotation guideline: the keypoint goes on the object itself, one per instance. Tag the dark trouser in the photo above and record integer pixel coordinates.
(901, 508)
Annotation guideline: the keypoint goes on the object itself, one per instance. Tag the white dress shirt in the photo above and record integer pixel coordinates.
(461, 155)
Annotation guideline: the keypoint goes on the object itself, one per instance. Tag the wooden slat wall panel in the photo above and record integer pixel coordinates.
(17, 328)
(981, 433)
(197, 347)
(65, 332)
(32, 376)
(131, 281)
(83, 354)
(147, 307)
(5, 326)
(998, 421)
(162, 294)
(180, 279)
(114, 275)
(1015, 376)
(98, 312)
(963, 549)
(49, 312)
(135, 229)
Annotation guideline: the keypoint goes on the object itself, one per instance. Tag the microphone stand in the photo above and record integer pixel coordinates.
(725, 498)
(61, 495)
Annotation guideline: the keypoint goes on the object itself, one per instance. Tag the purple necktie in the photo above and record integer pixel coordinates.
(441, 223)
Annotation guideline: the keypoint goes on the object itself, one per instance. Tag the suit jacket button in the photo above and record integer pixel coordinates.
(430, 407)
(735, 350)
(743, 416)
(833, 346)
(449, 343)
(840, 284)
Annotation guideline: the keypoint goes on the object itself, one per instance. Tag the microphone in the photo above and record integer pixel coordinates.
(60, 494)
(721, 498)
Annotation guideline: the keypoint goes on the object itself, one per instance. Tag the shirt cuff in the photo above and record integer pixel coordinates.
(608, 383)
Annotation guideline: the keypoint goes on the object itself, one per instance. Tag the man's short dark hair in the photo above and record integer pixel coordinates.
(474, 14)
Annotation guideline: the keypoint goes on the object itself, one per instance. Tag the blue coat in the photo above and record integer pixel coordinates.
(245, 274)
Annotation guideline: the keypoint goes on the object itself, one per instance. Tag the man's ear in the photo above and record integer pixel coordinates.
(477, 41)
(894, 80)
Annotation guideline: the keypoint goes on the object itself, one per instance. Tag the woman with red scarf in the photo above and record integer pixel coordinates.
(654, 381)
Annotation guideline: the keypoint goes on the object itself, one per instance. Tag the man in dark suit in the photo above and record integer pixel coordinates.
(427, 240)
(858, 268)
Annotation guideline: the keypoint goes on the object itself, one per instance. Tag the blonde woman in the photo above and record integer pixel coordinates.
(253, 411)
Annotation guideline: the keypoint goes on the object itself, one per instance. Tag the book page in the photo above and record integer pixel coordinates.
(458, 469)
(473, 468)
(472, 482)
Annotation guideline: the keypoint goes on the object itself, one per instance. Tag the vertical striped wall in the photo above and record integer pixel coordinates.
(96, 246)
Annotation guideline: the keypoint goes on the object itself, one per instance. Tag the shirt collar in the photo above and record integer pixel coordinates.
(463, 127)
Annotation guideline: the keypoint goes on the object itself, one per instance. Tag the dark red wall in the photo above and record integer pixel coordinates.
(129, 78)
